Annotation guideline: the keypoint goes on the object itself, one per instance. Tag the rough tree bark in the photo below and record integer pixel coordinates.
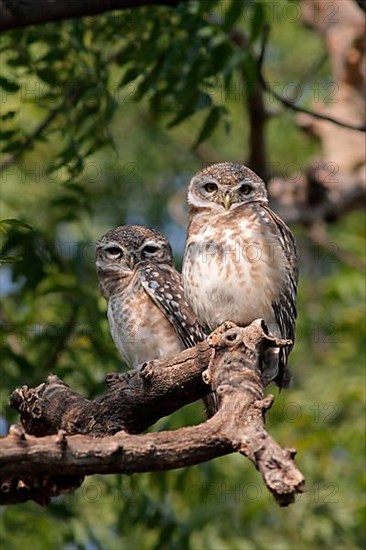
(31, 459)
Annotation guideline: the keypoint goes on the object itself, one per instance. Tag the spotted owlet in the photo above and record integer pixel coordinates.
(240, 261)
(147, 313)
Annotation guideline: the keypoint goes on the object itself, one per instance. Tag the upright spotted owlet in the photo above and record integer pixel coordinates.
(147, 313)
(240, 261)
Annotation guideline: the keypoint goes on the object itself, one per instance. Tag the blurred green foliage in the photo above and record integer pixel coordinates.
(135, 102)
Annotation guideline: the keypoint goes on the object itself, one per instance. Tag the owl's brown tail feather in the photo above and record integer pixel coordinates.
(211, 404)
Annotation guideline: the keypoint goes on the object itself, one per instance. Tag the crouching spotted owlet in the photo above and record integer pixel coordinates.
(147, 313)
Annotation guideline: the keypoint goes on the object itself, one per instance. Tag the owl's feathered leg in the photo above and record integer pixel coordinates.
(274, 368)
(211, 404)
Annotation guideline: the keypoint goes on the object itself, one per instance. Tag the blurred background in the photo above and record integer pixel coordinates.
(104, 121)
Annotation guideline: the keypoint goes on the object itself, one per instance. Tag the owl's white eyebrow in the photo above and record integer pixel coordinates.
(246, 181)
(204, 182)
(203, 179)
(150, 243)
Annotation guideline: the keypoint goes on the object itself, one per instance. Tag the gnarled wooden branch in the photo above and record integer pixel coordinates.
(30, 466)
(134, 400)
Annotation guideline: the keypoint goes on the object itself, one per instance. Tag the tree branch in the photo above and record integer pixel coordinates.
(15, 14)
(294, 107)
(69, 100)
(291, 104)
(28, 142)
(254, 103)
(229, 362)
(319, 195)
(319, 235)
(161, 387)
(361, 4)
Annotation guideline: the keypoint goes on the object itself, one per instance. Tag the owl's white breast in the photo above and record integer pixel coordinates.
(140, 331)
(233, 268)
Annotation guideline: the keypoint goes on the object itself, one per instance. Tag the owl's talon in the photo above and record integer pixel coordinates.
(119, 379)
(206, 377)
(215, 337)
(146, 371)
(226, 326)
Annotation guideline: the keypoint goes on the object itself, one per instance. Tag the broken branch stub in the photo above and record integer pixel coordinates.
(234, 372)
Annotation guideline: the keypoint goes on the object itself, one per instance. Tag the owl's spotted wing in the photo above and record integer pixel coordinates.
(164, 286)
(284, 307)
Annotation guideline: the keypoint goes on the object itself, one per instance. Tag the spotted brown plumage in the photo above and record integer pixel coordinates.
(147, 312)
(240, 260)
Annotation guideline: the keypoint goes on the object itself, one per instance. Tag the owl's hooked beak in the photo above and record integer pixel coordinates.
(130, 261)
(227, 201)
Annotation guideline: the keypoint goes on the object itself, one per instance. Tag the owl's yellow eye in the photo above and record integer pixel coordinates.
(210, 187)
(245, 189)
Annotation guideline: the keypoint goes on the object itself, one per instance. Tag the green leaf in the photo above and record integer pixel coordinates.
(210, 124)
(10, 259)
(15, 145)
(8, 85)
(257, 22)
(233, 13)
(13, 222)
(203, 101)
(131, 74)
(8, 115)
(250, 72)
(7, 134)
(48, 75)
